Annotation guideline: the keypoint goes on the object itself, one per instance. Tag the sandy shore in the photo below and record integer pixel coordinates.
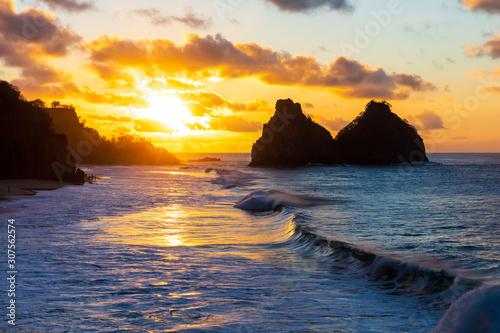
(13, 189)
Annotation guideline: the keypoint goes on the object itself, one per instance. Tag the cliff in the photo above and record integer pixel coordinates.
(376, 137)
(291, 139)
(29, 146)
(90, 147)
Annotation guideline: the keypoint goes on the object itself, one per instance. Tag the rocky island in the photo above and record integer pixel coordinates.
(376, 137)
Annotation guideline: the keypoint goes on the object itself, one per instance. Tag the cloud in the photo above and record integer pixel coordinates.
(151, 126)
(171, 84)
(28, 39)
(203, 103)
(110, 118)
(69, 5)
(190, 18)
(491, 47)
(309, 5)
(28, 35)
(494, 90)
(110, 98)
(490, 6)
(427, 120)
(234, 124)
(215, 56)
(334, 125)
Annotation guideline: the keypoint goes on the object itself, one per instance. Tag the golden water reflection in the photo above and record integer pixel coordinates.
(177, 225)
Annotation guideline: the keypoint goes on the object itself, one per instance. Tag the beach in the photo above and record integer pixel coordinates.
(14, 189)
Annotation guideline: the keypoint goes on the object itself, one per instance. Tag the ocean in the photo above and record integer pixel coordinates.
(221, 247)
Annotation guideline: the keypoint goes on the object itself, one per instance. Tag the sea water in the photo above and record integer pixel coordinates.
(219, 246)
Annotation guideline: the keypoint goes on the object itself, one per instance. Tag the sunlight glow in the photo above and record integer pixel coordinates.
(169, 110)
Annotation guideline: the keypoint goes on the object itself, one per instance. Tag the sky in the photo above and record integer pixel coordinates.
(204, 75)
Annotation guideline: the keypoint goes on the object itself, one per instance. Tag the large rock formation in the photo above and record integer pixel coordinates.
(377, 136)
(89, 147)
(291, 139)
(29, 147)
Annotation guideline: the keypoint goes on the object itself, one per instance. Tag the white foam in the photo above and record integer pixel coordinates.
(259, 201)
(477, 311)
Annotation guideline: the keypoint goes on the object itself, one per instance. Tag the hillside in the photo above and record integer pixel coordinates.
(29, 146)
(90, 147)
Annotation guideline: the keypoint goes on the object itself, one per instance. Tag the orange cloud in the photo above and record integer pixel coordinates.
(171, 84)
(334, 125)
(27, 40)
(151, 126)
(427, 120)
(491, 47)
(203, 103)
(216, 56)
(28, 35)
(491, 6)
(234, 124)
(228, 123)
(111, 118)
(494, 90)
(113, 99)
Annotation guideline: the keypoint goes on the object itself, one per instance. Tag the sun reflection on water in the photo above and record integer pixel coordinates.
(175, 226)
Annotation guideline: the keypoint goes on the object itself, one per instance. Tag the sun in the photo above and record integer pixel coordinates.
(170, 110)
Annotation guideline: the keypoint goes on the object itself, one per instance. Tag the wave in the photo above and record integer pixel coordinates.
(474, 305)
(271, 200)
(394, 275)
(391, 274)
(231, 178)
(476, 311)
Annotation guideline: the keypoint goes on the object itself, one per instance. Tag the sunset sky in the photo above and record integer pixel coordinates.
(202, 76)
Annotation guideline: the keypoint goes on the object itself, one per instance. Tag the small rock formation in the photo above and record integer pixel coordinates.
(29, 147)
(206, 159)
(376, 137)
(291, 139)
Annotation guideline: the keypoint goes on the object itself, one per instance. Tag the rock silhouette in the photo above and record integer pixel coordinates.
(29, 146)
(379, 136)
(291, 139)
(90, 147)
(376, 137)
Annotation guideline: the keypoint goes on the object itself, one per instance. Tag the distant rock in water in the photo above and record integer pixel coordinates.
(292, 139)
(29, 147)
(206, 159)
(376, 137)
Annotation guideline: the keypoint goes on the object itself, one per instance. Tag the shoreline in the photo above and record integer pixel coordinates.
(16, 189)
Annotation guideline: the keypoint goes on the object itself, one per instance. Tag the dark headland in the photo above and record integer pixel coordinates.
(29, 146)
(376, 137)
(41, 147)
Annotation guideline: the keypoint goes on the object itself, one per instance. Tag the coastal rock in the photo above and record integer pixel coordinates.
(292, 139)
(378, 136)
(90, 147)
(29, 147)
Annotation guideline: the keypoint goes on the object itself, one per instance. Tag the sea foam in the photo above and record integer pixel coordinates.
(477, 311)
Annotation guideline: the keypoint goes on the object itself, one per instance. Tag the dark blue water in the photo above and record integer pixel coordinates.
(318, 249)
